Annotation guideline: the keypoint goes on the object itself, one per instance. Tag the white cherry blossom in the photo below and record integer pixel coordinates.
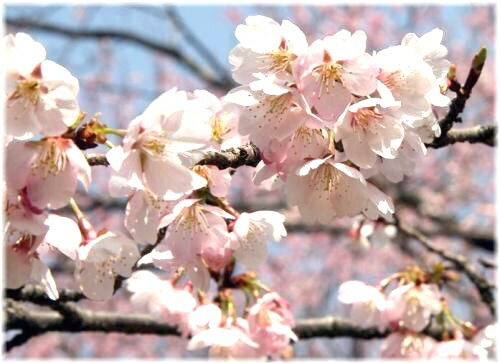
(40, 94)
(252, 231)
(49, 170)
(266, 47)
(367, 304)
(101, 260)
(172, 125)
(413, 305)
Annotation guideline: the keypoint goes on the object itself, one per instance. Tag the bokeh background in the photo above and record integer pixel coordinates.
(154, 48)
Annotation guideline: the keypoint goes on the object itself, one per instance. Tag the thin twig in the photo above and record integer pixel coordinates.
(183, 59)
(483, 286)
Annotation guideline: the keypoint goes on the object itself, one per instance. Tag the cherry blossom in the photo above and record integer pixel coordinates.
(266, 47)
(270, 322)
(206, 316)
(101, 260)
(143, 215)
(459, 349)
(368, 304)
(413, 305)
(323, 189)
(335, 68)
(368, 130)
(231, 340)
(40, 94)
(252, 231)
(197, 236)
(27, 230)
(487, 338)
(171, 125)
(161, 298)
(408, 345)
(49, 170)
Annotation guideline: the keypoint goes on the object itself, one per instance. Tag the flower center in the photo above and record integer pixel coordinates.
(29, 90)
(327, 74)
(411, 343)
(325, 177)
(281, 61)
(51, 160)
(365, 118)
(154, 144)
(391, 80)
(279, 104)
(193, 219)
(219, 129)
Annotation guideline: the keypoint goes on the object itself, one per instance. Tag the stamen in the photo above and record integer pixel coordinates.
(365, 118)
(52, 159)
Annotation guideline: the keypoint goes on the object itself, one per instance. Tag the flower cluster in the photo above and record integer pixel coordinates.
(407, 311)
(265, 331)
(301, 104)
(155, 168)
(328, 118)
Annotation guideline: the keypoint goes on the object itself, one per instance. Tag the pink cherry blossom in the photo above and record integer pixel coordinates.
(100, 260)
(218, 181)
(323, 189)
(224, 121)
(268, 117)
(413, 305)
(409, 79)
(156, 142)
(206, 316)
(252, 231)
(48, 169)
(487, 338)
(40, 94)
(143, 215)
(197, 235)
(334, 68)
(270, 321)
(27, 229)
(266, 47)
(231, 340)
(408, 345)
(368, 304)
(369, 130)
(160, 297)
(460, 349)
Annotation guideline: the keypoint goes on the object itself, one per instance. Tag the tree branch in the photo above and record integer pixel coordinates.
(199, 46)
(33, 323)
(463, 93)
(249, 154)
(483, 286)
(37, 295)
(485, 134)
(183, 59)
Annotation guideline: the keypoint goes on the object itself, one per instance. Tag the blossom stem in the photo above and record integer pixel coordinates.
(84, 224)
(78, 121)
(112, 131)
(76, 210)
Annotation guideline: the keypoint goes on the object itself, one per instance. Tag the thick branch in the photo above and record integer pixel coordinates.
(174, 53)
(479, 134)
(483, 286)
(75, 319)
(83, 320)
(37, 295)
(247, 154)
